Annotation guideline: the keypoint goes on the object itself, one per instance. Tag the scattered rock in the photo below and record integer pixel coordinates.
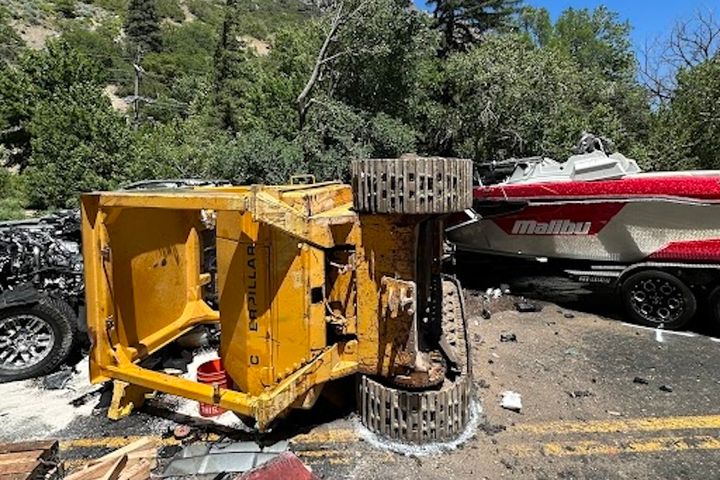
(58, 380)
(181, 432)
(580, 394)
(614, 413)
(641, 381)
(511, 401)
(666, 388)
(477, 338)
(485, 314)
(508, 337)
(527, 307)
(482, 384)
(492, 429)
(569, 315)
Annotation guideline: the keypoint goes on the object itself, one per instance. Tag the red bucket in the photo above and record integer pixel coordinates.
(212, 373)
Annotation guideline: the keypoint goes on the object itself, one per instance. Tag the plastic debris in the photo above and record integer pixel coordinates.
(511, 401)
(286, 465)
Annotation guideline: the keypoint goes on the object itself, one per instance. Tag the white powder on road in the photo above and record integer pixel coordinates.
(27, 411)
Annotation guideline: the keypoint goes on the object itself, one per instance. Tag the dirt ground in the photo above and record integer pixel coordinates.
(585, 414)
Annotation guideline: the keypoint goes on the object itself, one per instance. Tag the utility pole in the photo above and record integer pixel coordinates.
(138, 73)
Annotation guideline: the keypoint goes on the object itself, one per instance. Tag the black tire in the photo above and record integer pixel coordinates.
(714, 303)
(655, 298)
(58, 324)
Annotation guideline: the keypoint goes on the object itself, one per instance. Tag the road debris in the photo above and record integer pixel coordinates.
(511, 401)
(524, 306)
(286, 465)
(666, 388)
(58, 380)
(236, 457)
(30, 460)
(580, 394)
(641, 381)
(508, 337)
(134, 461)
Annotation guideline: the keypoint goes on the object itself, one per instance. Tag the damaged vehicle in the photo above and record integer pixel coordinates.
(42, 295)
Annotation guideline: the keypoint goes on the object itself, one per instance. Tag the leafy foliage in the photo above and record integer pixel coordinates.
(463, 22)
(220, 88)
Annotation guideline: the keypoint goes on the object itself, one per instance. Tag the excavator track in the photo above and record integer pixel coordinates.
(433, 415)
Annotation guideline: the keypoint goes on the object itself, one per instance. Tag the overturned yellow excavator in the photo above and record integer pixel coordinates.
(314, 282)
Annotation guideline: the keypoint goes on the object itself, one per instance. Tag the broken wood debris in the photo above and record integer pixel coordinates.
(30, 460)
(134, 461)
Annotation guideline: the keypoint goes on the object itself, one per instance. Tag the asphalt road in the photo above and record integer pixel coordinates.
(584, 416)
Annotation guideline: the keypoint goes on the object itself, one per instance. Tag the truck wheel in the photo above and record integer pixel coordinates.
(35, 339)
(656, 298)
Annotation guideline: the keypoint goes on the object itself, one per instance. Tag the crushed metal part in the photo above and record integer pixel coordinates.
(202, 459)
(415, 417)
(44, 253)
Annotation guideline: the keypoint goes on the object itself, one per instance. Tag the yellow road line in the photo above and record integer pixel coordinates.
(647, 445)
(629, 425)
(113, 442)
(340, 435)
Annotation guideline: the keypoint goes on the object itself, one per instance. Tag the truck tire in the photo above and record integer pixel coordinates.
(35, 338)
(658, 299)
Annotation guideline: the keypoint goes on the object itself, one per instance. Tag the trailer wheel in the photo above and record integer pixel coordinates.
(714, 302)
(35, 339)
(656, 298)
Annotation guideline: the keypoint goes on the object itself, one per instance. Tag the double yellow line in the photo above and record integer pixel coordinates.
(622, 430)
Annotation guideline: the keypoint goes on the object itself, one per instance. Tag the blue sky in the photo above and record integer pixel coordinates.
(648, 18)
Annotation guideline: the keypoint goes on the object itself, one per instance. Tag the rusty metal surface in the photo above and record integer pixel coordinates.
(415, 417)
(412, 185)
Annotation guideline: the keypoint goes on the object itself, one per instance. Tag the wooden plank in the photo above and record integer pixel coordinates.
(22, 457)
(20, 467)
(113, 473)
(51, 445)
(94, 471)
(140, 471)
(141, 444)
(14, 476)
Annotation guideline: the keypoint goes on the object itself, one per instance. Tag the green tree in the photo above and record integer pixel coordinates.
(532, 102)
(79, 144)
(143, 26)
(38, 76)
(598, 41)
(463, 22)
(234, 70)
(686, 132)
